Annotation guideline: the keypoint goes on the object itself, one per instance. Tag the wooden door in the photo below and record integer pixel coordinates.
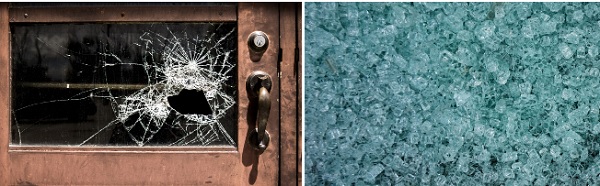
(130, 154)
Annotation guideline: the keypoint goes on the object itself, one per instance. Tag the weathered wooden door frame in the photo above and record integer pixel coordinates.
(290, 94)
(103, 162)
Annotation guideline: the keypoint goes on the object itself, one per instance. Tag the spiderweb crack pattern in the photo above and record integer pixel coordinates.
(93, 58)
(171, 61)
(182, 63)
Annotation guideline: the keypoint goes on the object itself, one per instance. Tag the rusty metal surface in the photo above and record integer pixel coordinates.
(4, 94)
(128, 14)
(288, 157)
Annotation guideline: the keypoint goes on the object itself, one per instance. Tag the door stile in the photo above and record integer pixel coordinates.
(4, 94)
(260, 169)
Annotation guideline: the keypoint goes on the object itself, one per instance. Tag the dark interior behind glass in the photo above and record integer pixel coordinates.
(124, 84)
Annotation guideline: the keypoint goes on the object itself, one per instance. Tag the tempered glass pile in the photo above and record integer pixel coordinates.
(452, 93)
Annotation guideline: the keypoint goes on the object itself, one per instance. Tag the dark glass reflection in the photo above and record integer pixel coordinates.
(113, 84)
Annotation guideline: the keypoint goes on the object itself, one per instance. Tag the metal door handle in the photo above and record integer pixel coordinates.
(258, 85)
(264, 108)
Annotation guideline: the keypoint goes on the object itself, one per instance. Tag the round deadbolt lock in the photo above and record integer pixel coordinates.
(258, 41)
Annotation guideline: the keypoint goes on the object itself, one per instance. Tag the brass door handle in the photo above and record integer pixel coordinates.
(264, 108)
(258, 86)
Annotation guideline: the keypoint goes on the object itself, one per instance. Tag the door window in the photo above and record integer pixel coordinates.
(167, 84)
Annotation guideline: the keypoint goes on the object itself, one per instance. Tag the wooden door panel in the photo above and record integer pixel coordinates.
(108, 168)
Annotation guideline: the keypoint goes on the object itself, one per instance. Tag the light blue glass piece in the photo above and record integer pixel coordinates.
(509, 156)
(507, 172)
(547, 27)
(502, 76)
(554, 7)
(464, 35)
(593, 51)
(596, 129)
(565, 50)
(373, 172)
(529, 28)
(572, 38)
(555, 151)
(523, 10)
(440, 180)
(418, 83)
(578, 15)
(461, 97)
(581, 52)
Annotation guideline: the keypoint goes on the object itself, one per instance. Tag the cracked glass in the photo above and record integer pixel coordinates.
(124, 84)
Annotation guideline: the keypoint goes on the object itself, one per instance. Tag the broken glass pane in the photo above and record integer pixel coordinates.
(124, 84)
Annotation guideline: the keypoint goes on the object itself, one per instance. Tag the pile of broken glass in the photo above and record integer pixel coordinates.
(452, 93)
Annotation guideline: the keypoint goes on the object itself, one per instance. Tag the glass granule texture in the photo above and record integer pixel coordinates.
(452, 93)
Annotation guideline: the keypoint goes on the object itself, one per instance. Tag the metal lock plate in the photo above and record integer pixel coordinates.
(256, 80)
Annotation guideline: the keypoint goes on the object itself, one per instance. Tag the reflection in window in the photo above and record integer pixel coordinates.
(124, 84)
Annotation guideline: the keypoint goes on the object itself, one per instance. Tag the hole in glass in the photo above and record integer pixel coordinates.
(190, 102)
